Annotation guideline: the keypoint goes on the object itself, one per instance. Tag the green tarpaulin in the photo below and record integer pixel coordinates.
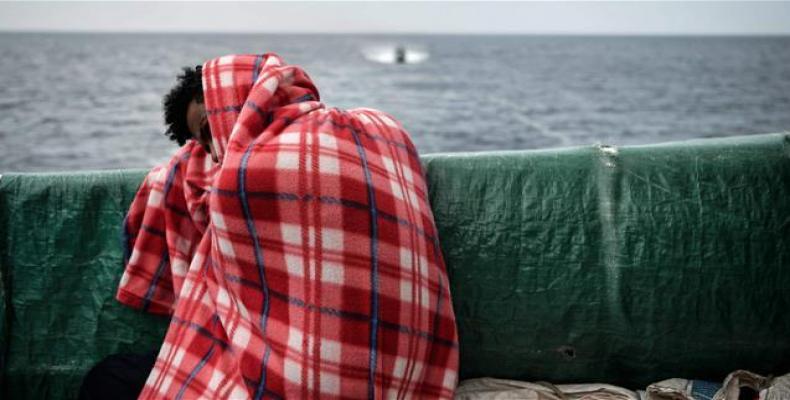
(620, 265)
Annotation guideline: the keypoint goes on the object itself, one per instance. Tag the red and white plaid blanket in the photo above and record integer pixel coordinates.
(163, 228)
(319, 274)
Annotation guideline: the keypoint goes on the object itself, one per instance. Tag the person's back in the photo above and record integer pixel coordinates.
(320, 274)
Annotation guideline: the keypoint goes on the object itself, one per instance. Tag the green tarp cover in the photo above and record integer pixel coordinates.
(61, 260)
(620, 265)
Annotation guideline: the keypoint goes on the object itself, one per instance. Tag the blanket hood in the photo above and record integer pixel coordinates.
(252, 87)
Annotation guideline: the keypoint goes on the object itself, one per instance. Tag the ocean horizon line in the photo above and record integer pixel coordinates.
(351, 33)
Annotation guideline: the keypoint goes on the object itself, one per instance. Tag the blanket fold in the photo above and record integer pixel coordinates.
(162, 229)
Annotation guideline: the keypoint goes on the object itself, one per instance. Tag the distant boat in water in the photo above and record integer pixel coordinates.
(399, 54)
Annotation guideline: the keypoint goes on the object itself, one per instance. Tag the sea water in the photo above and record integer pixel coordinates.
(93, 101)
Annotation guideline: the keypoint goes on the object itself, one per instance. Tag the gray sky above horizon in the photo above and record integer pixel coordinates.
(708, 17)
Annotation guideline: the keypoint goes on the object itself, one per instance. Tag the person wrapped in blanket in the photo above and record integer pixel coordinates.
(311, 266)
(161, 231)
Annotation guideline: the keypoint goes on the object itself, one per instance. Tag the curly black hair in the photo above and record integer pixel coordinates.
(175, 103)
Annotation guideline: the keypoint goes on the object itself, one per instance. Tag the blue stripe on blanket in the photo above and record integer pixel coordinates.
(333, 201)
(223, 109)
(149, 294)
(245, 205)
(374, 266)
(165, 255)
(198, 367)
(338, 313)
(256, 68)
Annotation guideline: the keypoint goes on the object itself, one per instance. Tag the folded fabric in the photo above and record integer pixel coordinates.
(503, 389)
(320, 273)
(764, 388)
(682, 389)
(162, 229)
(778, 389)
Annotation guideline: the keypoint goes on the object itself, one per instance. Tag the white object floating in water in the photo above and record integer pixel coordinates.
(395, 55)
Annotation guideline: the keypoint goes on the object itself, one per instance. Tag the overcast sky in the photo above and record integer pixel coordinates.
(746, 17)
